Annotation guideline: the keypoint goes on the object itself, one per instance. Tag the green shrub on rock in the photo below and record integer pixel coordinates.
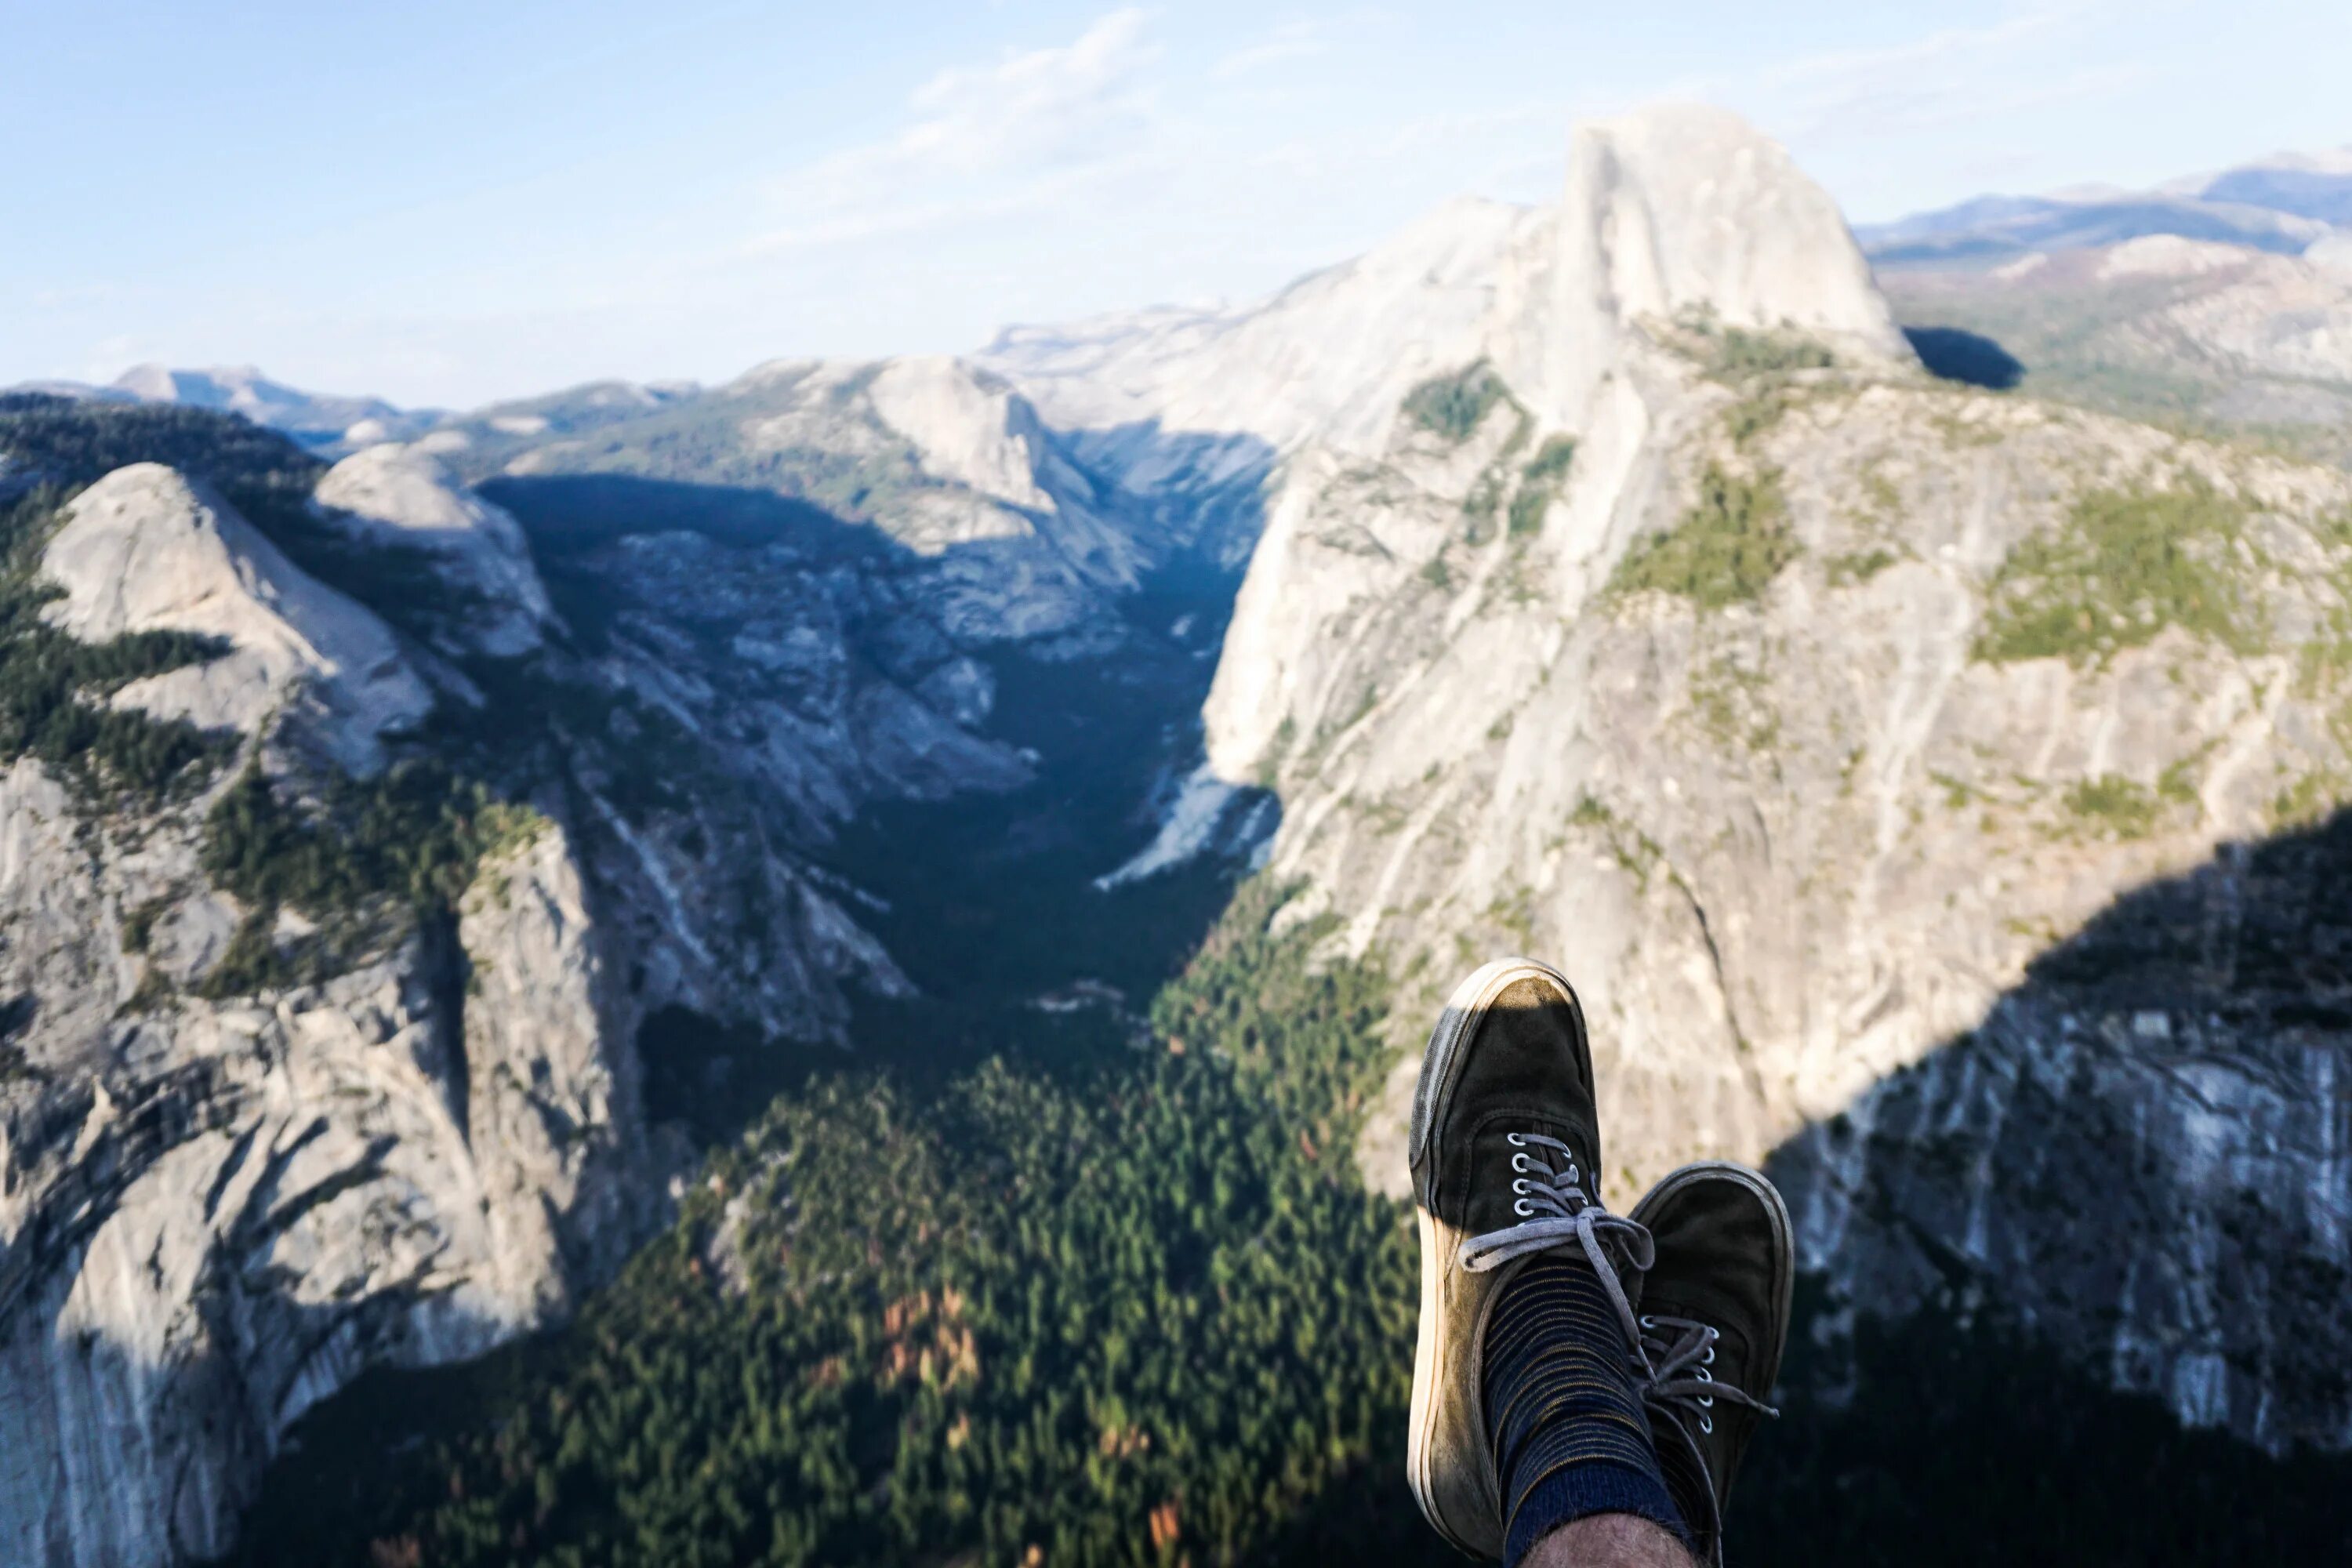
(1725, 549)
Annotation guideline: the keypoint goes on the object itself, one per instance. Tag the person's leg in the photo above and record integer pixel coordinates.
(1528, 1422)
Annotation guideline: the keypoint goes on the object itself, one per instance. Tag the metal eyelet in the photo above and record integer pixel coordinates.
(1708, 1400)
(1705, 1375)
(1706, 1424)
(1522, 1209)
(1708, 1359)
(1514, 1141)
(1649, 1323)
(1520, 1162)
(1713, 1335)
(1519, 1186)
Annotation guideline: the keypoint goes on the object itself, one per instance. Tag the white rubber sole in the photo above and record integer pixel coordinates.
(1432, 1098)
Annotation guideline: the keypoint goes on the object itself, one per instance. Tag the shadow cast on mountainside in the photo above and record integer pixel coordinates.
(568, 515)
(2134, 1175)
(1952, 1438)
(1969, 358)
(568, 519)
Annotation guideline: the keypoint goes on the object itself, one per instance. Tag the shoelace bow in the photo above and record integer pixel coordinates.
(1554, 1209)
(1682, 1387)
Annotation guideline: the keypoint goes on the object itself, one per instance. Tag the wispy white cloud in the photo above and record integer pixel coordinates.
(1908, 109)
(1290, 41)
(975, 136)
(1049, 104)
(1859, 99)
(1940, 47)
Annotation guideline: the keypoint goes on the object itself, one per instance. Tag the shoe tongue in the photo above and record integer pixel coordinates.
(1499, 1162)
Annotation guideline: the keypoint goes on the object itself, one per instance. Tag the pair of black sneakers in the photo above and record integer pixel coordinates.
(1506, 1154)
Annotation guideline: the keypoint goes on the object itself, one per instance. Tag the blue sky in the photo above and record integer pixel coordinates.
(448, 203)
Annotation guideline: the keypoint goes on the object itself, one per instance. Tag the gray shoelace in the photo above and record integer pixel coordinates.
(1681, 1388)
(1554, 1210)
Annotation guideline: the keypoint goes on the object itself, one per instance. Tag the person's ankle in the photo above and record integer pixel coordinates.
(1610, 1541)
(1591, 1489)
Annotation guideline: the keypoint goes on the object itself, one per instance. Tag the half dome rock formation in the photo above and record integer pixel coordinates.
(1687, 206)
(145, 550)
(1685, 237)
(1670, 210)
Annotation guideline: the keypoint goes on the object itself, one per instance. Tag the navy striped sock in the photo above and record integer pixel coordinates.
(1564, 1410)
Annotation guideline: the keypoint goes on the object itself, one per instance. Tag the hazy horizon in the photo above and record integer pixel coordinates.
(488, 206)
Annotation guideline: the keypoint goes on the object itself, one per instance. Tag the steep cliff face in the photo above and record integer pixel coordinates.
(219, 1212)
(224, 1197)
(330, 962)
(1683, 631)
(2140, 1152)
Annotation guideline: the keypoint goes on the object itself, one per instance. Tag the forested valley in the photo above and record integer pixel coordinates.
(1115, 1293)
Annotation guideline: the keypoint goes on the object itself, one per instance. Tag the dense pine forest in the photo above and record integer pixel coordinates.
(1122, 1299)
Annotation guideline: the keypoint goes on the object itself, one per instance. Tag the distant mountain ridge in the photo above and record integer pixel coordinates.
(330, 423)
(2220, 301)
(2221, 337)
(2283, 204)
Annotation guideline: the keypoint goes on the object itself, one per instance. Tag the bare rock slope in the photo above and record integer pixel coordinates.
(143, 550)
(221, 1201)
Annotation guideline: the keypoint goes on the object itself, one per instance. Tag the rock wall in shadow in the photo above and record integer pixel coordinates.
(1954, 1436)
(2141, 1162)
